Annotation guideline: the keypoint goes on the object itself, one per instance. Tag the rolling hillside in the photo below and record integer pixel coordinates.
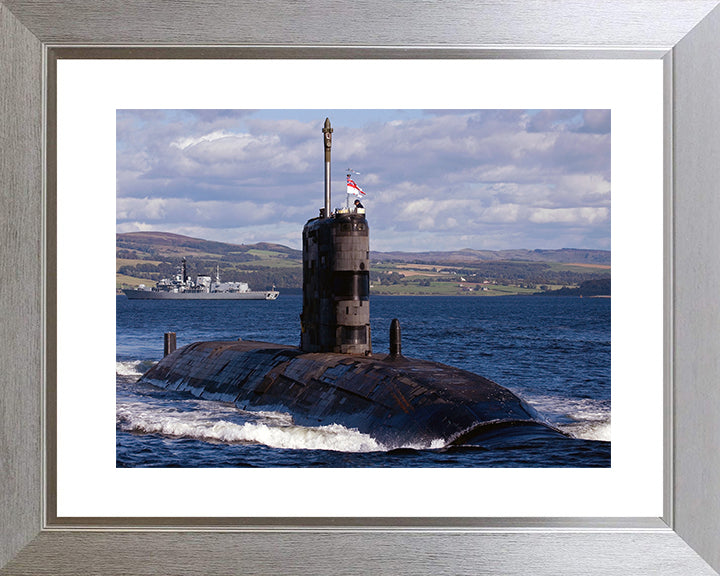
(145, 257)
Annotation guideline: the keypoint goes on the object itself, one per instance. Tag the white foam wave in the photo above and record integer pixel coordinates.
(132, 367)
(201, 425)
(582, 418)
(600, 430)
(274, 418)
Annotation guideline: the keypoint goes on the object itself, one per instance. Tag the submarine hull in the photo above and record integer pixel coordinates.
(396, 400)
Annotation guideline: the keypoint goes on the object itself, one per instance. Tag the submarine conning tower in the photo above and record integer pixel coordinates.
(336, 277)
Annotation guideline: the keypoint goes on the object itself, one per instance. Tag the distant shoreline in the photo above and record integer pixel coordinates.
(298, 293)
(147, 257)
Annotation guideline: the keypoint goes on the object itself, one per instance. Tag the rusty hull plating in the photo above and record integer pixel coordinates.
(333, 378)
(398, 401)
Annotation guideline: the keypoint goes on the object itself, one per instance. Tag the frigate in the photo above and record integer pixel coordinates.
(182, 287)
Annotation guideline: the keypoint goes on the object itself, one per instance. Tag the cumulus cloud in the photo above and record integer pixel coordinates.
(575, 216)
(596, 122)
(435, 179)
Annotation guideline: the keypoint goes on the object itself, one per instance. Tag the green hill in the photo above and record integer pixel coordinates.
(589, 288)
(151, 256)
(146, 257)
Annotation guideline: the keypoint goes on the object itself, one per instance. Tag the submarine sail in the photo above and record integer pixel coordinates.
(336, 285)
(333, 376)
(336, 276)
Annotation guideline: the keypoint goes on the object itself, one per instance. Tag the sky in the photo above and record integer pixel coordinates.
(434, 179)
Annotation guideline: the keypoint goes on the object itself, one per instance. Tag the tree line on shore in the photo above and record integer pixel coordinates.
(259, 277)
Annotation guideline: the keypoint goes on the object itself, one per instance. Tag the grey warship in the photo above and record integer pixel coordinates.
(333, 376)
(182, 287)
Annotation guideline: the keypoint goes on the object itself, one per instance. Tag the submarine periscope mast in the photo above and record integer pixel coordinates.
(333, 376)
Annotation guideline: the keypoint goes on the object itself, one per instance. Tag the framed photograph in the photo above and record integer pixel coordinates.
(652, 511)
(109, 111)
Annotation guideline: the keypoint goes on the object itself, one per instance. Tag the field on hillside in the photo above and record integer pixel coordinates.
(146, 257)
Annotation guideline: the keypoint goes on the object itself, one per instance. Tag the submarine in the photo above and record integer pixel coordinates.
(333, 376)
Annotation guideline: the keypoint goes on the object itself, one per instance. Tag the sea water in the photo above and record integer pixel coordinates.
(554, 352)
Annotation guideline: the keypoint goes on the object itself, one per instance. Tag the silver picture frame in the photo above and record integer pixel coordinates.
(684, 34)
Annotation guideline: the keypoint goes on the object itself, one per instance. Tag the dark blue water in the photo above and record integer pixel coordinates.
(553, 352)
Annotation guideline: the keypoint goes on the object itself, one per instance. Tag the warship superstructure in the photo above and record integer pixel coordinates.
(182, 287)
